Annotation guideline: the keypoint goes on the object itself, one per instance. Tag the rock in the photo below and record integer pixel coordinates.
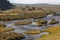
(4, 5)
(53, 21)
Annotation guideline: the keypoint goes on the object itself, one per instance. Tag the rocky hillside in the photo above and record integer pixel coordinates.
(4, 5)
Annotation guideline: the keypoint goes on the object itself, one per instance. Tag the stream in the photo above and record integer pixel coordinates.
(33, 26)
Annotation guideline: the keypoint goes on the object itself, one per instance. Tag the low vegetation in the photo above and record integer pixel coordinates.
(53, 29)
(2, 25)
(33, 32)
(53, 21)
(23, 13)
(54, 33)
(11, 36)
(23, 23)
(50, 37)
(41, 23)
(6, 29)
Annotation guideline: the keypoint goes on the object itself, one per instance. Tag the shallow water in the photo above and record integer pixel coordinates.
(24, 28)
(11, 23)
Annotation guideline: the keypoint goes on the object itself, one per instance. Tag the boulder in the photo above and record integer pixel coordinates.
(53, 21)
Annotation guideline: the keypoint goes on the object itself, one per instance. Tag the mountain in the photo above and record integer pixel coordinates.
(4, 5)
(38, 4)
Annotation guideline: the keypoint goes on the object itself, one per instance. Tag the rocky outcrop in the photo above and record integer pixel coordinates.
(4, 5)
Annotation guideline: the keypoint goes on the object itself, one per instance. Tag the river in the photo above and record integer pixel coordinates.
(33, 26)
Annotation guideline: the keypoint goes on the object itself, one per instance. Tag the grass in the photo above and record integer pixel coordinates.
(6, 29)
(41, 23)
(53, 29)
(32, 32)
(11, 36)
(53, 21)
(54, 33)
(23, 13)
(23, 23)
(2, 25)
(50, 37)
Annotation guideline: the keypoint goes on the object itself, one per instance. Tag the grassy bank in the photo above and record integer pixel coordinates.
(18, 13)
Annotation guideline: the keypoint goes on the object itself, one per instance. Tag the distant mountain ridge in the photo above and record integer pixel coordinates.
(49, 7)
(43, 4)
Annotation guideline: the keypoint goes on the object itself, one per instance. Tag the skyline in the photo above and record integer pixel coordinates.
(35, 1)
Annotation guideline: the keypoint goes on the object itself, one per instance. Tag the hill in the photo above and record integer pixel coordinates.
(49, 7)
(4, 5)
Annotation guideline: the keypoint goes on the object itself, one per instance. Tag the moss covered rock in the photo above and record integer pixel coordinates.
(41, 23)
(53, 21)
